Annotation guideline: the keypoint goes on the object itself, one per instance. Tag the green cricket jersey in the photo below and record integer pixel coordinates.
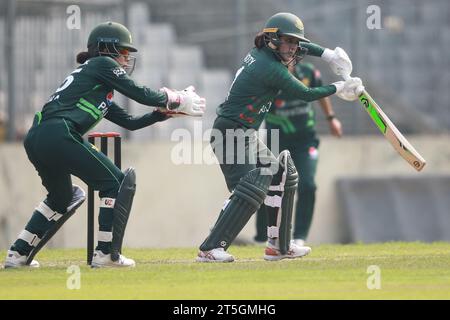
(86, 96)
(295, 117)
(257, 82)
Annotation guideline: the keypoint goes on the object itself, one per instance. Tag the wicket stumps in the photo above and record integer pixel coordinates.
(91, 200)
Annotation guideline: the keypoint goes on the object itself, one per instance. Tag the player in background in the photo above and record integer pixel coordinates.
(56, 148)
(252, 173)
(295, 120)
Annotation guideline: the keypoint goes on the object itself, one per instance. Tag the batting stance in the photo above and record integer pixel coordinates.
(56, 148)
(294, 120)
(268, 181)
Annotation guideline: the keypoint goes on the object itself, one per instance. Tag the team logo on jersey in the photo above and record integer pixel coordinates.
(109, 98)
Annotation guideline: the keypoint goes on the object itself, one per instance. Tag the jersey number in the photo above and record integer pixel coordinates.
(67, 81)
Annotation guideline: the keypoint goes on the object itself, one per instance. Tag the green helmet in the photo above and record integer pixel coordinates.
(285, 24)
(111, 33)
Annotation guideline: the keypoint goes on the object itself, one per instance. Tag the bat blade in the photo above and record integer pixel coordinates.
(390, 131)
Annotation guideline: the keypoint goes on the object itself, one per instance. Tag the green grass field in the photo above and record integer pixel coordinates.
(408, 271)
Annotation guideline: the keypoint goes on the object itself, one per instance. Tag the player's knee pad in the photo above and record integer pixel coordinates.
(246, 199)
(78, 197)
(286, 183)
(122, 209)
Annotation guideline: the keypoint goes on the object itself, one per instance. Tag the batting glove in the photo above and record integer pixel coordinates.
(338, 61)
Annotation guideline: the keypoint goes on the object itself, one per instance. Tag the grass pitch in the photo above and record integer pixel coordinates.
(407, 271)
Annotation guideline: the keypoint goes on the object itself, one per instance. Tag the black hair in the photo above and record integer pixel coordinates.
(260, 40)
(82, 57)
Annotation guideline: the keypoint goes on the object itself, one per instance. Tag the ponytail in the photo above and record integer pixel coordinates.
(260, 40)
(92, 52)
(82, 57)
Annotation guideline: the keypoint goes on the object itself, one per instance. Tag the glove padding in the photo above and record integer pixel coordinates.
(183, 103)
(349, 89)
(338, 60)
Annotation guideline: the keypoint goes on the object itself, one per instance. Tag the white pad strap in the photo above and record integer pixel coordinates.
(48, 213)
(272, 232)
(107, 202)
(279, 187)
(273, 201)
(105, 236)
(29, 237)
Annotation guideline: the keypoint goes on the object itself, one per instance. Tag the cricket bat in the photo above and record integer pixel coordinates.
(391, 133)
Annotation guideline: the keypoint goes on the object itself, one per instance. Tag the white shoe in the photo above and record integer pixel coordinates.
(299, 242)
(214, 255)
(273, 254)
(101, 260)
(15, 260)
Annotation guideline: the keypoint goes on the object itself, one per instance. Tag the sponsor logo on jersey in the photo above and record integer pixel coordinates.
(103, 107)
(118, 71)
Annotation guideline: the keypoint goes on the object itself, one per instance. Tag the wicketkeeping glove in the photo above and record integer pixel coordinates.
(183, 103)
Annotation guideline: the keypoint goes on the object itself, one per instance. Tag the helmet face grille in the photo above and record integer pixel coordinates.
(115, 52)
(274, 39)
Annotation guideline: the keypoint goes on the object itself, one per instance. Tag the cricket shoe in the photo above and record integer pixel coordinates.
(15, 260)
(273, 254)
(102, 260)
(214, 255)
(299, 242)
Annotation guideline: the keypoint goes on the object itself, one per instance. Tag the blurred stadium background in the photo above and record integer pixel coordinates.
(366, 192)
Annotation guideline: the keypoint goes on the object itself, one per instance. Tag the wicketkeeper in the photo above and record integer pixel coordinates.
(268, 181)
(56, 148)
